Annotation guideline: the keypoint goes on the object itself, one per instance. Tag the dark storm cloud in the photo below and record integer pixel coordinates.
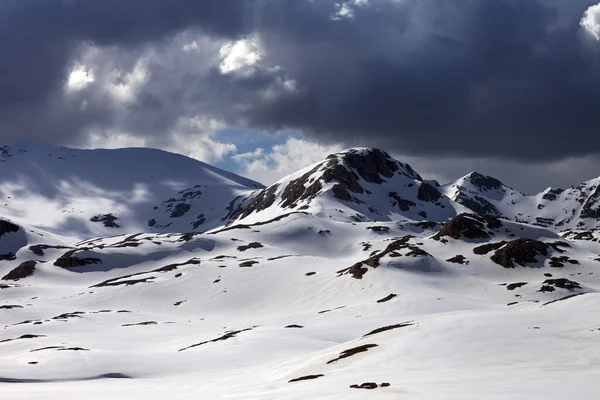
(38, 40)
(502, 78)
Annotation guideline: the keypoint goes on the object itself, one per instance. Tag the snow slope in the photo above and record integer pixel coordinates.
(302, 300)
(65, 190)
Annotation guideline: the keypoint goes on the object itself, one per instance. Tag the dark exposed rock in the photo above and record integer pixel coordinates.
(227, 335)
(427, 224)
(10, 306)
(403, 205)
(459, 259)
(470, 226)
(294, 326)
(552, 194)
(544, 222)
(247, 264)
(253, 245)
(200, 219)
(142, 323)
(387, 298)
(366, 385)
(300, 189)
(372, 165)
(124, 280)
(351, 352)
(74, 314)
(546, 288)
(26, 336)
(428, 193)
(514, 286)
(342, 193)
(24, 270)
(590, 208)
(563, 283)
(348, 179)
(8, 257)
(559, 262)
(310, 273)
(389, 328)
(180, 210)
(108, 220)
(306, 378)
(67, 260)
(7, 227)
(359, 269)
(486, 248)
(485, 182)
(519, 252)
(151, 222)
(477, 203)
(262, 201)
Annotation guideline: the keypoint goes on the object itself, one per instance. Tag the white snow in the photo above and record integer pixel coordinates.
(463, 340)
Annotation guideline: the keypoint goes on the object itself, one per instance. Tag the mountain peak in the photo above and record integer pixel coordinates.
(371, 164)
(484, 182)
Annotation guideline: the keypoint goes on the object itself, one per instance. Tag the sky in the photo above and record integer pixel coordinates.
(509, 88)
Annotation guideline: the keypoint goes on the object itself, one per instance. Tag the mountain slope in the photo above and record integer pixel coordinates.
(90, 193)
(355, 185)
(558, 209)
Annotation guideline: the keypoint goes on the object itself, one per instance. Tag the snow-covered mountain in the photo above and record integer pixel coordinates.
(359, 184)
(554, 208)
(90, 193)
(353, 278)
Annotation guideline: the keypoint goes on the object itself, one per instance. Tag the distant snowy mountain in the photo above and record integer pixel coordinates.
(557, 209)
(90, 193)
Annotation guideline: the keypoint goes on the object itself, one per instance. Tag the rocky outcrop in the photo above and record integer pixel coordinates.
(24, 270)
(392, 250)
(469, 226)
(485, 182)
(591, 207)
(68, 260)
(403, 205)
(265, 199)
(428, 193)
(372, 166)
(7, 227)
(520, 252)
(477, 203)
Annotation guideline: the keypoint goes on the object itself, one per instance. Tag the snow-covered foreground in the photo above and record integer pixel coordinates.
(305, 302)
(457, 337)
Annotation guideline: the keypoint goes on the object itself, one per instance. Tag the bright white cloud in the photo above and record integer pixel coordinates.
(283, 159)
(123, 85)
(113, 140)
(240, 56)
(591, 21)
(346, 10)
(79, 77)
(196, 137)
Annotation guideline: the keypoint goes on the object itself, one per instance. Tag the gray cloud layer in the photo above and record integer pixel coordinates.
(504, 78)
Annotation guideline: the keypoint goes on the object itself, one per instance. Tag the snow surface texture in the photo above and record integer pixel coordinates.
(379, 287)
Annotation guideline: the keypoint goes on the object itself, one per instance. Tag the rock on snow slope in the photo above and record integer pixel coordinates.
(353, 278)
